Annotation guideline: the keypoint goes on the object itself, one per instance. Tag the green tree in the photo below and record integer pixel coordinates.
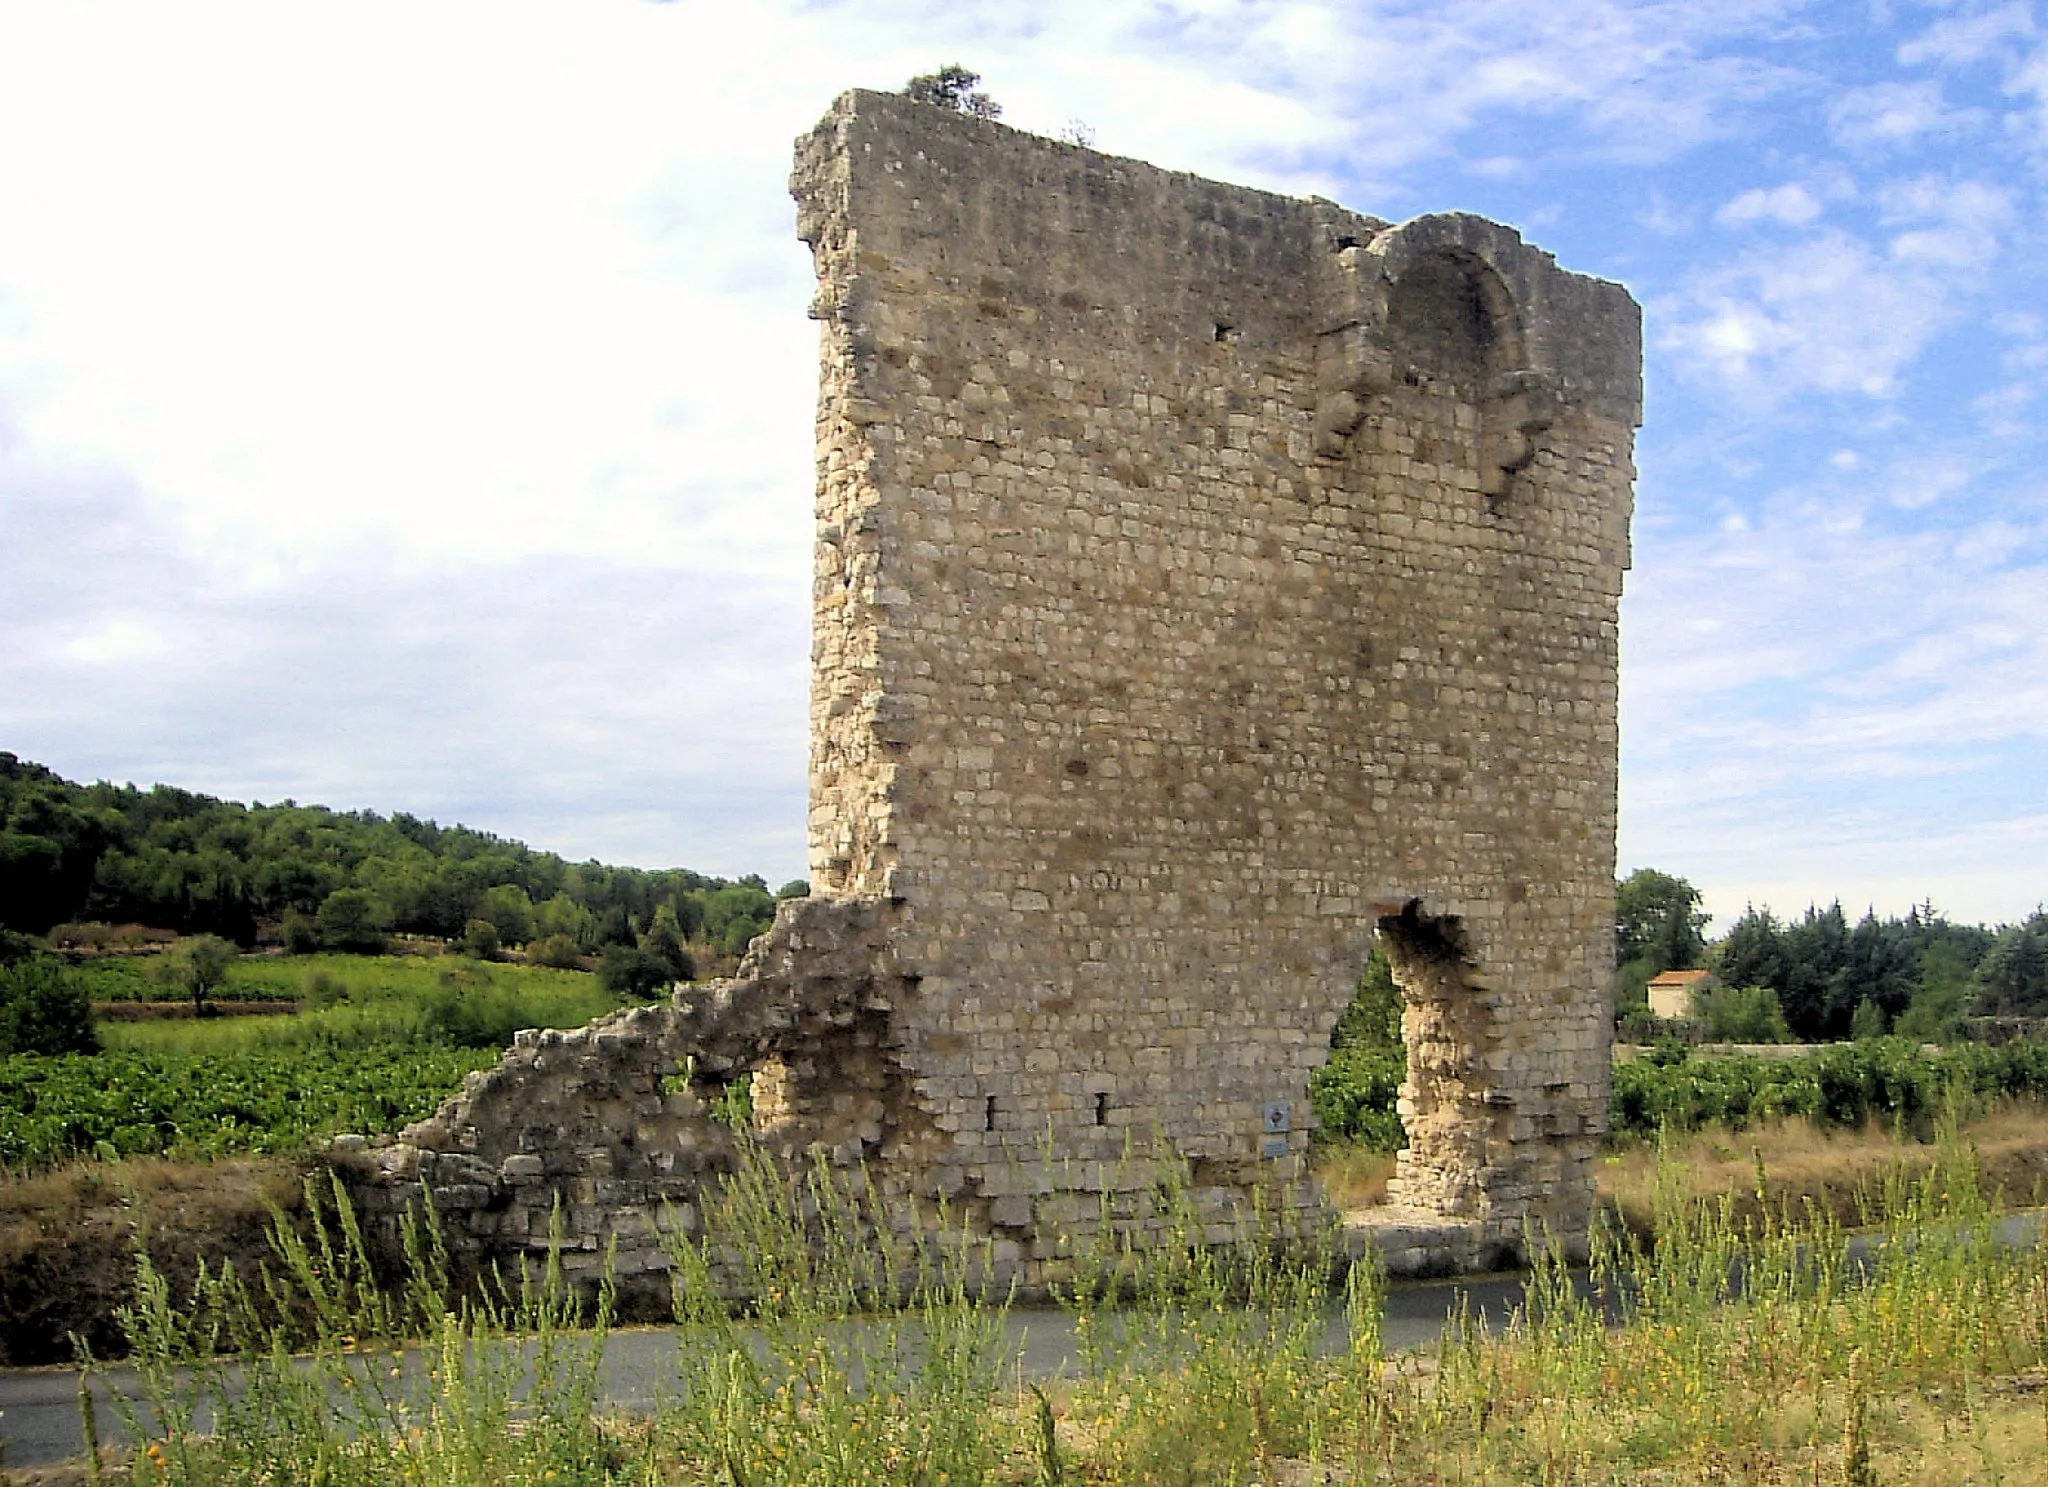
(1658, 917)
(663, 945)
(557, 950)
(480, 939)
(350, 920)
(952, 86)
(301, 937)
(627, 970)
(508, 907)
(1373, 1020)
(1741, 1014)
(44, 1009)
(1658, 926)
(2012, 980)
(197, 966)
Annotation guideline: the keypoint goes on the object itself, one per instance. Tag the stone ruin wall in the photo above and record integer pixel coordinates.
(1205, 580)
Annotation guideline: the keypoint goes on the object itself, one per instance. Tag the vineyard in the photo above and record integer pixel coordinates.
(121, 1103)
(379, 1041)
(1891, 1080)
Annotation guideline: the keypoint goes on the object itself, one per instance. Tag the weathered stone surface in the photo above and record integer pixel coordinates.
(1205, 581)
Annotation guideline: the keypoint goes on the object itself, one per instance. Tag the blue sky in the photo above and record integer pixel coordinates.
(408, 405)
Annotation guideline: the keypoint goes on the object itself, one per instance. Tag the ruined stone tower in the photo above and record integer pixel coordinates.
(1206, 580)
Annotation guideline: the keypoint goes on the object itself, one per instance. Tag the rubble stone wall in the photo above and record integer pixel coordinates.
(1205, 581)
(1206, 578)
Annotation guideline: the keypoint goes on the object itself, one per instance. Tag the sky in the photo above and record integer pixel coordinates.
(408, 406)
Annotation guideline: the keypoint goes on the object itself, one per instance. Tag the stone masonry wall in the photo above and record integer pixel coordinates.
(1206, 581)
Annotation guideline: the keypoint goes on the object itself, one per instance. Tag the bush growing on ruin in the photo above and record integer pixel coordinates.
(952, 86)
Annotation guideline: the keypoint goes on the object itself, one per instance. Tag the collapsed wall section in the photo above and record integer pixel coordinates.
(600, 1138)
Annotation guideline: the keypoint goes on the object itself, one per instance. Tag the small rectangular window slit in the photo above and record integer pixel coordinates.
(988, 1120)
(1102, 1110)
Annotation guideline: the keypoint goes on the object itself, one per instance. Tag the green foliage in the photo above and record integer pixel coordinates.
(1867, 1022)
(952, 86)
(1354, 1093)
(507, 909)
(1823, 969)
(1354, 1096)
(188, 862)
(301, 936)
(794, 888)
(627, 970)
(558, 950)
(1843, 1085)
(736, 913)
(352, 921)
(44, 1009)
(1658, 926)
(2012, 980)
(1373, 1020)
(383, 1042)
(195, 967)
(501, 1391)
(479, 940)
(1740, 1014)
(1846, 1084)
(1658, 917)
(222, 1102)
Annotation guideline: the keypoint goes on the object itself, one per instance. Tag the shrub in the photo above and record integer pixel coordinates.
(627, 970)
(353, 922)
(300, 937)
(480, 939)
(558, 950)
(1742, 1014)
(1354, 1096)
(44, 1009)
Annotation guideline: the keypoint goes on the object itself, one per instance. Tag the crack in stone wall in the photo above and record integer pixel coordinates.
(1205, 581)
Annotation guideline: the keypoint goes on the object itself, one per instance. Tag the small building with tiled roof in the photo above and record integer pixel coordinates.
(1671, 992)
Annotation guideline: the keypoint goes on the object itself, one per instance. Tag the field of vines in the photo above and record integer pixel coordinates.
(1891, 1080)
(127, 1103)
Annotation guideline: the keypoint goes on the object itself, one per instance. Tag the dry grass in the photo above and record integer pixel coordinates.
(1842, 1173)
(67, 1239)
(1353, 1176)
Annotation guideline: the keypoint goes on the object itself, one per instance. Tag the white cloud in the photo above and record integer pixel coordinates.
(1790, 205)
(1825, 314)
(1970, 37)
(1895, 115)
(1954, 224)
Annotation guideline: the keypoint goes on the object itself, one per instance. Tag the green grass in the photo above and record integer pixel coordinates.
(1211, 1370)
(352, 1001)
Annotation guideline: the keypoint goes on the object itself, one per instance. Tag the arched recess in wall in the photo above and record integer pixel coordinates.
(1452, 326)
